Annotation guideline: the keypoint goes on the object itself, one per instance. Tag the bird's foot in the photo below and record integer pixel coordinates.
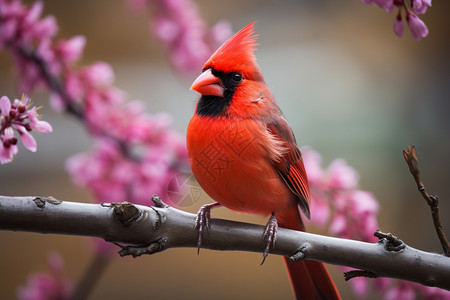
(270, 235)
(203, 221)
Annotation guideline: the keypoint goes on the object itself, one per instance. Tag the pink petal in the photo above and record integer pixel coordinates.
(398, 27)
(338, 225)
(165, 29)
(313, 165)
(416, 26)
(36, 124)
(360, 286)
(221, 31)
(34, 12)
(57, 103)
(404, 290)
(74, 87)
(7, 30)
(364, 202)
(45, 28)
(341, 175)
(99, 73)
(388, 5)
(27, 139)
(72, 49)
(7, 154)
(421, 6)
(5, 106)
(320, 211)
(43, 127)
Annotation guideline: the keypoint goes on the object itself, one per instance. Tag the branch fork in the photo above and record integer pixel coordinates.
(410, 156)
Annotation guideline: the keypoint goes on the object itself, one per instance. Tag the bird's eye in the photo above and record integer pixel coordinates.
(236, 77)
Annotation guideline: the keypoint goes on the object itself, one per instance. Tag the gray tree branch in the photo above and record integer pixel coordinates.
(153, 229)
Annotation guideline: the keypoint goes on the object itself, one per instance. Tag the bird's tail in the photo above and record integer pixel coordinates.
(309, 279)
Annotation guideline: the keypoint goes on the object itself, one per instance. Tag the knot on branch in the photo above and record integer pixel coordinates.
(434, 203)
(300, 254)
(135, 251)
(40, 201)
(157, 201)
(125, 212)
(390, 241)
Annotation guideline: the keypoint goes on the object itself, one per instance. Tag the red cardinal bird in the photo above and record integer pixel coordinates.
(244, 154)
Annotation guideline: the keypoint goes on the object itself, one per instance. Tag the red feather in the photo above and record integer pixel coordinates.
(244, 154)
(236, 52)
(290, 165)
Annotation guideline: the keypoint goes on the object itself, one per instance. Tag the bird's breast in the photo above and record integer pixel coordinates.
(232, 161)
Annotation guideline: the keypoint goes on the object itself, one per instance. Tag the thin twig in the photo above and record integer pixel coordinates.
(392, 243)
(53, 83)
(72, 107)
(410, 156)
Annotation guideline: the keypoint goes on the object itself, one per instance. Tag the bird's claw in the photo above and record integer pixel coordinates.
(203, 221)
(270, 235)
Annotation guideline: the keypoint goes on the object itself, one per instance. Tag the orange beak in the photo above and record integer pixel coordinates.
(208, 85)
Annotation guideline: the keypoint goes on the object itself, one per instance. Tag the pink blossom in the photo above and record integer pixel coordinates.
(18, 117)
(184, 34)
(70, 50)
(36, 124)
(136, 154)
(388, 5)
(45, 28)
(341, 175)
(75, 88)
(416, 26)
(221, 31)
(398, 25)
(402, 291)
(339, 225)
(8, 145)
(5, 106)
(433, 293)
(421, 6)
(34, 13)
(113, 177)
(320, 210)
(338, 205)
(98, 74)
(51, 285)
(360, 287)
(313, 164)
(56, 102)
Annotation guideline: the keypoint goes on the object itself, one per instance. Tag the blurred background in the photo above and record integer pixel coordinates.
(349, 87)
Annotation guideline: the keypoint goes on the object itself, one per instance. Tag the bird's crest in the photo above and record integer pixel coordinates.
(236, 54)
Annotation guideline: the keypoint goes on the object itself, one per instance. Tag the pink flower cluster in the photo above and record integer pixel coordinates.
(338, 205)
(185, 35)
(112, 176)
(416, 25)
(47, 286)
(18, 117)
(136, 154)
(336, 201)
(22, 30)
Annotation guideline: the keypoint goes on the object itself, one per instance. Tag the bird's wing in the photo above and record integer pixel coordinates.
(290, 164)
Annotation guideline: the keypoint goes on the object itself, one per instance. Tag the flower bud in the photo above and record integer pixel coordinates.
(410, 156)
